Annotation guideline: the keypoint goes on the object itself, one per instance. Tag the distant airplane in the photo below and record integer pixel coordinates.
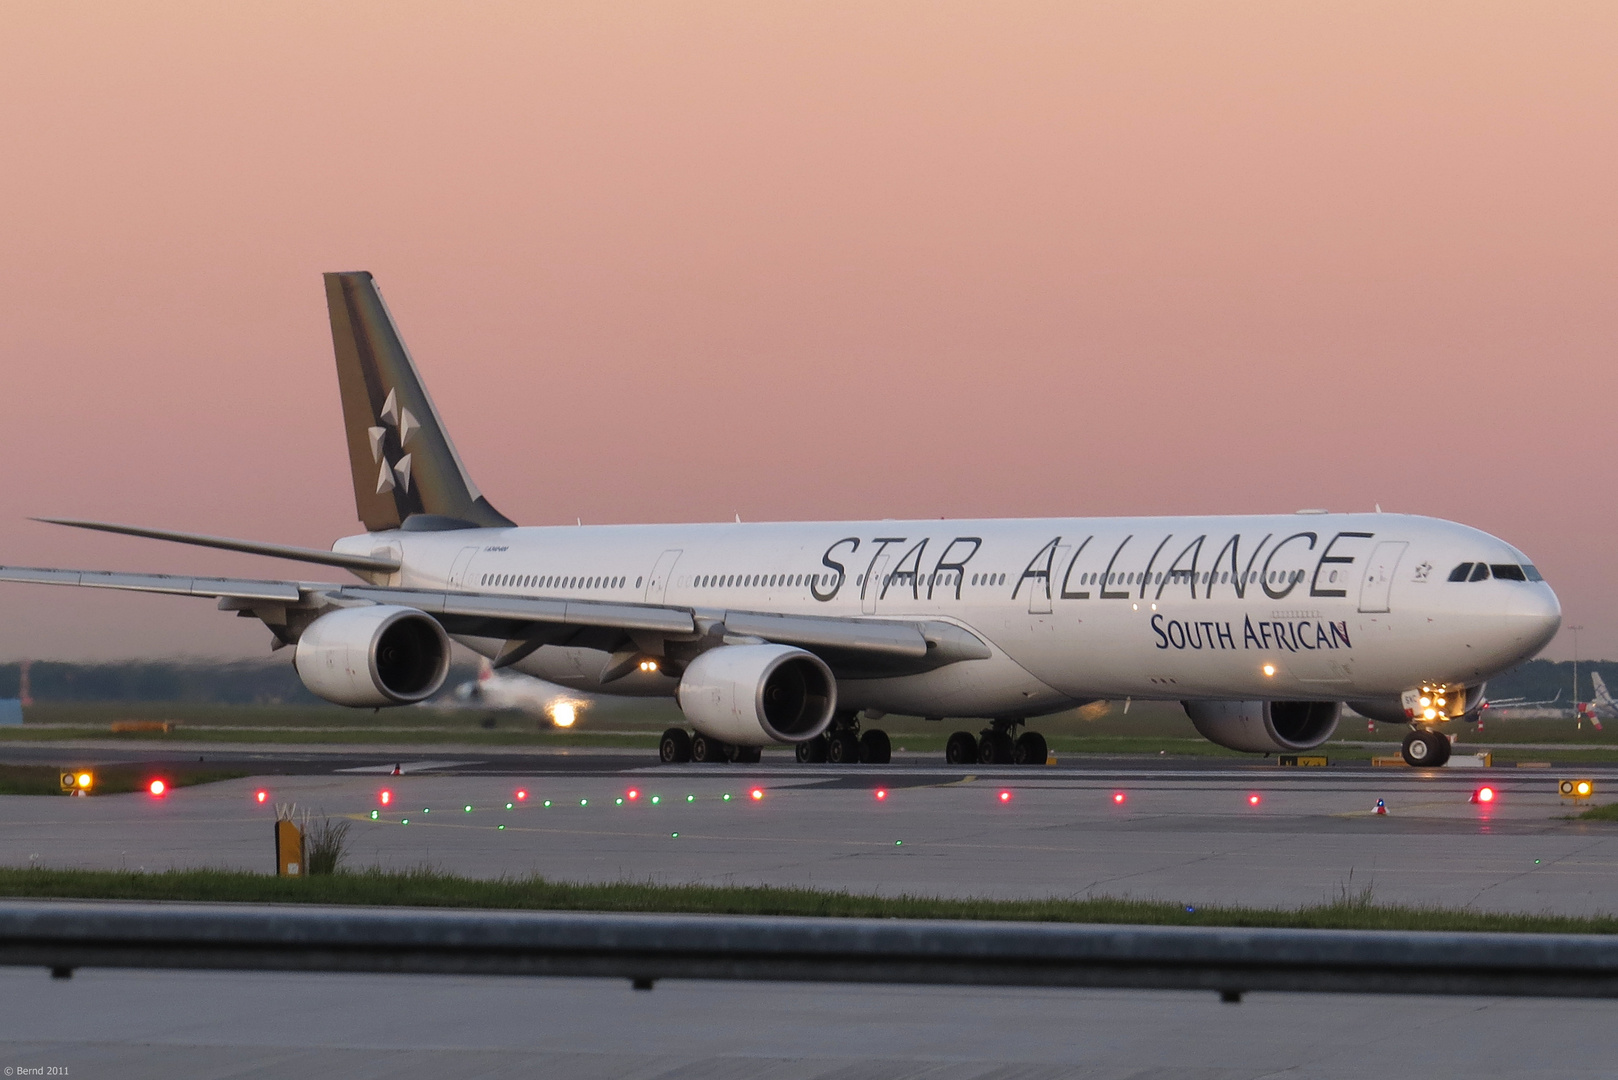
(513, 690)
(1603, 705)
(1520, 702)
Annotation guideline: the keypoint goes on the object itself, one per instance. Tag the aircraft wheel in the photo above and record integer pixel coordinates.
(675, 746)
(813, 751)
(1425, 749)
(875, 749)
(962, 749)
(994, 748)
(747, 755)
(1030, 749)
(708, 750)
(844, 749)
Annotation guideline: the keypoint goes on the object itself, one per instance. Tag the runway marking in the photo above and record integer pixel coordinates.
(407, 768)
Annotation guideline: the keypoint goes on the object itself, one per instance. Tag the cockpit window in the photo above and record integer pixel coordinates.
(1460, 572)
(1508, 572)
(1480, 572)
(1533, 574)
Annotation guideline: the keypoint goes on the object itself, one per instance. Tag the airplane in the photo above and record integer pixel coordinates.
(804, 634)
(1603, 705)
(512, 690)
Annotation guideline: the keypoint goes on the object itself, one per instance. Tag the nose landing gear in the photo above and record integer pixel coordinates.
(1425, 748)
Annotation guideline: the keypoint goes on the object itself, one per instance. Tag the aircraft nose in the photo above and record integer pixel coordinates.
(1533, 618)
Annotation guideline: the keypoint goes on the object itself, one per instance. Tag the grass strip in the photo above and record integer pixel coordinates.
(428, 888)
(1609, 812)
(109, 779)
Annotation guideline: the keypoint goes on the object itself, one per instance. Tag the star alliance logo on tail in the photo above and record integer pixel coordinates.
(392, 474)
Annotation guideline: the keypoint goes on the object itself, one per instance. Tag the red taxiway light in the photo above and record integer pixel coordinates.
(757, 793)
(521, 795)
(632, 794)
(1253, 800)
(881, 793)
(157, 787)
(386, 796)
(1118, 797)
(1005, 796)
(261, 795)
(1483, 795)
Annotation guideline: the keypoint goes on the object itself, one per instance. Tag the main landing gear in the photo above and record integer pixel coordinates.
(845, 744)
(677, 746)
(996, 746)
(1425, 748)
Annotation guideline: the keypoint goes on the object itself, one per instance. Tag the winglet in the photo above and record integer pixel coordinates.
(405, 469)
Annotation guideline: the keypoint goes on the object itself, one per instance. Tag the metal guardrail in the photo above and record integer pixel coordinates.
(62, 935)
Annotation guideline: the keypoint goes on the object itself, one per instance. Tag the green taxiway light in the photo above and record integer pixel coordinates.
(502, 826)
(468, 808)
(674, 835)
(373, 815)
(656, 799)
(727, 796)
(584, 802)
(620, 802)
(898, 843)
(404, 821)
(547, 802)
(508, 807)
(426, 809)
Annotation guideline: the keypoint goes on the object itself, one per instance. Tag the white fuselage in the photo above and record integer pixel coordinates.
(1287, 607)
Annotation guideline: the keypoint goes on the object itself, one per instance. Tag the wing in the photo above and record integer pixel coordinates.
(853, 648)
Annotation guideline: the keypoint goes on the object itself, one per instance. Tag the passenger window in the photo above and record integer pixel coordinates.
(1508, 572)
(1460, 572)
(1480, 572)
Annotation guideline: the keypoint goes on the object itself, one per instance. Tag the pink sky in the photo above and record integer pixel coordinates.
(673, 262)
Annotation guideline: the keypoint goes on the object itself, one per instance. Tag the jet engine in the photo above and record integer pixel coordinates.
(373, 656)
(756, 695)
(1263, 727)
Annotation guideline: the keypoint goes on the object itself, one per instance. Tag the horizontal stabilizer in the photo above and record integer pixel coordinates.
(250, 547)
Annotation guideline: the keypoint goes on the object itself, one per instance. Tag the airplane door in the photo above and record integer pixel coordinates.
(873, 585)
(461, 570)
(658, 583)
(1379, 571)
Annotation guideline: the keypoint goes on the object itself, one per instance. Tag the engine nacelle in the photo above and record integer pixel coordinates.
(373, 656)
(755, 695)
(1264, 727)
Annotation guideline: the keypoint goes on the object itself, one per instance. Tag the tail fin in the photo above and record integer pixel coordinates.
(406, 471)
(1602, 696)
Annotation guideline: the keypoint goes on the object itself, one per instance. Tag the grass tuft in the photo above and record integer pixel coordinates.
(1352, 910)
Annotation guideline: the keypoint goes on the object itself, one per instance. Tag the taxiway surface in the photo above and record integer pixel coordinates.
(1199, 833)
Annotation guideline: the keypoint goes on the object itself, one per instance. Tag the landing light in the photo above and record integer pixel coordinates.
(1269, 670)
(648, 666)
(563, 714)
(157, 788)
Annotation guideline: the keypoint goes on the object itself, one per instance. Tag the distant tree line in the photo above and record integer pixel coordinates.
(236, 682)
